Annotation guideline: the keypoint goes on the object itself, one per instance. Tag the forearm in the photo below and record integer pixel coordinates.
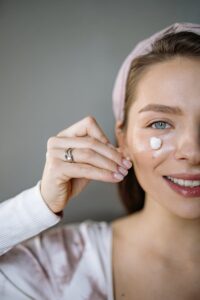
(23, 217)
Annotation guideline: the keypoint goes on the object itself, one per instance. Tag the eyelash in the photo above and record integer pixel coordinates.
(160, 121)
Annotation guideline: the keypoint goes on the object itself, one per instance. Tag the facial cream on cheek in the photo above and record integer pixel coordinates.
(152, 146)
(155, 143)
(163, 145)
(149, 152)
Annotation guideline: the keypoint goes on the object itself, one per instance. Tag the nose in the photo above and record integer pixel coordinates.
(188, 146)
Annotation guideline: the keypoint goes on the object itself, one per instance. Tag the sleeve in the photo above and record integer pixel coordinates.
(23, 217)
(44, 267)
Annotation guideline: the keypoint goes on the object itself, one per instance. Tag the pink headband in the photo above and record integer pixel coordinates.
(143, 47)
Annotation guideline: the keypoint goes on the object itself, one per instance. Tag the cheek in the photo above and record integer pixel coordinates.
(143, 155)
(140, 148)
(148, 162)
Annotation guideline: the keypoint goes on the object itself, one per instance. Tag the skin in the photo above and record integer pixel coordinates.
(164, 236)
(153, 247)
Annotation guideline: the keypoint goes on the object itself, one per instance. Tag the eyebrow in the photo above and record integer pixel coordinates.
(162, 108)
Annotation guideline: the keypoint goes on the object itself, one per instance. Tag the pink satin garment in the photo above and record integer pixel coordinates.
(67, 262)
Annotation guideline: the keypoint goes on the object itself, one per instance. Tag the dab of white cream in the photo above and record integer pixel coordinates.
(155, 143)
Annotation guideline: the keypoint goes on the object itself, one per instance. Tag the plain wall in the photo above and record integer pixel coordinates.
(58, 63)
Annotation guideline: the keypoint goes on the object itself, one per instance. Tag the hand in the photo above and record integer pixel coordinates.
(94, 159)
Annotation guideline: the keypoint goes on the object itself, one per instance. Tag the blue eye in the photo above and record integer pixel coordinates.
(161, 125)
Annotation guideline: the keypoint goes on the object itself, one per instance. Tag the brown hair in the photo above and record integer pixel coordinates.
(185, 44)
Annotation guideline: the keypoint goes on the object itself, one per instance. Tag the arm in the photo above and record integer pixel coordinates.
(23, 217)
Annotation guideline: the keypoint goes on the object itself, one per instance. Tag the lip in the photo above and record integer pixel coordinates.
(188, 192)
(186, 176)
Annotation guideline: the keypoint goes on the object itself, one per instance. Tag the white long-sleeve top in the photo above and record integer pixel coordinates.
(72, 261)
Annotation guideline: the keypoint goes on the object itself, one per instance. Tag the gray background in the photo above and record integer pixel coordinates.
(58, 63)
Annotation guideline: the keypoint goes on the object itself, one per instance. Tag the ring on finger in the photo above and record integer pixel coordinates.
(68, 155)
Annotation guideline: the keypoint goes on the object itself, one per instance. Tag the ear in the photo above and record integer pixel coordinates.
(121, 139)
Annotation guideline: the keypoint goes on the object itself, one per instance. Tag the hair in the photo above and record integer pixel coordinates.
(181, 44)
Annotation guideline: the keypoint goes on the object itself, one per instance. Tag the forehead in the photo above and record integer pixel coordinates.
(173, 82)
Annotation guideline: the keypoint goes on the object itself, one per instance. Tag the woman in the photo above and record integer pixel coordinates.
(153, 252)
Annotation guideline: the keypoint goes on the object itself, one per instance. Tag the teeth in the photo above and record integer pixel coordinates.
(190, 183)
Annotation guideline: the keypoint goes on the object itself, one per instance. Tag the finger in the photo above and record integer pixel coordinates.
(76, 170)
(87, 126)
(88, 156)
(87, 142)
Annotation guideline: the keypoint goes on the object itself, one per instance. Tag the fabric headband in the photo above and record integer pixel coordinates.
(143, 47)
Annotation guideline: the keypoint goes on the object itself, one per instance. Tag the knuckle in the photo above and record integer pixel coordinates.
(49, 154)
(90, 119)
(88, 153)
(104, 139)
(53, 164)
(51, 142)
(92, 141)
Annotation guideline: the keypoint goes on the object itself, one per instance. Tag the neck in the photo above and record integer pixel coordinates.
(171, 235)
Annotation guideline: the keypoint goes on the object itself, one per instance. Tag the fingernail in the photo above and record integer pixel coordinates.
(118, 176)
(123, 171)
(127, 163)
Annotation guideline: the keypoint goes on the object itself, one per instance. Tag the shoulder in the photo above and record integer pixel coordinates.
(61, 258)
(64, 253)
(81, 234)
(67, 236)
(63, 247)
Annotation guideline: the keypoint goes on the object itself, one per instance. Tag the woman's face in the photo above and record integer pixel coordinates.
(168, 107)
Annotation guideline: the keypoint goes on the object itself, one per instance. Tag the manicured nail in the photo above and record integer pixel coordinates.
(123, 171)
(118, 176)
(127, 163)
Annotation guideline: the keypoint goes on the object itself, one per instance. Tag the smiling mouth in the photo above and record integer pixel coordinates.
(186, 188)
